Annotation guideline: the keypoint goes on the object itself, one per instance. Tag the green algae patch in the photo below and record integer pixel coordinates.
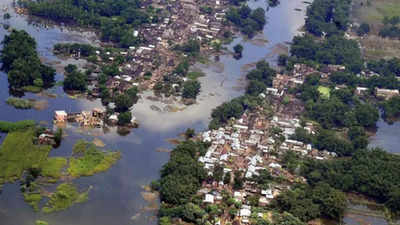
(18, 153)
(41, 222)
(53, 166)
(33, 199)
(66, 195)
(88, 160)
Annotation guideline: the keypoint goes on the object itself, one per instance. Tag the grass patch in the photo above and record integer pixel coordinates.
(52, 167)
(88, 160)
(195, 74)
(33, 199)
(33, 89)
(19, 103)
(66, 195)
(324, 91)
(41, 222)
(6, 126)
(19, 153)
(374, 12)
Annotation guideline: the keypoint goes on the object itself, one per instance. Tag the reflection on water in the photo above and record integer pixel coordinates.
(116, 196)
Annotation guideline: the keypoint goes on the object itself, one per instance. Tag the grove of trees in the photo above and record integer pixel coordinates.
(21, 61)
(249, 21)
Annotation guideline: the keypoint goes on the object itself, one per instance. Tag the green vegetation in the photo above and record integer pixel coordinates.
(124, 118)
(195, 74)
(19, 153)
(324, 91)
(33, 199)
(65, 196)
(191, 89)
(191, 48)
(307, 203)
(53, 166)
(363, 29)
(21, 61)
(371, 172)
(234, 108)
(334, 50)
(180, 179)
(373, 12)
(238, 51)
(74, 80)
(32, 89)
(341, 109)
(249, 21)
(328, 17)
(88, 160)
(115, 19)
(19, 103)
(260, 78)
(391, 108)
(85, 50)
(41, 222)
(6, 126)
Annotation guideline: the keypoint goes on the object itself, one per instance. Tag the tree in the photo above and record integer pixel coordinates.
(366, 115)
(255, 88)
(75, 80)
(363, 29)
(238, 50)
(218, 173)
(58, 136)
(124, 118)
(227, 178)
(123, 102)
(191, 89)
(190, 133)
(283, 60)
(238, 180)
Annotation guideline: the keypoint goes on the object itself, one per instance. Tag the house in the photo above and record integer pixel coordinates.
(386, 93)
(60, 116)
(209, 198)
(361, 90)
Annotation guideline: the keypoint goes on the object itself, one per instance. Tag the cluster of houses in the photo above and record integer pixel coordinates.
(248, 145)
(97, 118)
(180, 22)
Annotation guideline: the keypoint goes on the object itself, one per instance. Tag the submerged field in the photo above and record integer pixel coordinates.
(373, 12)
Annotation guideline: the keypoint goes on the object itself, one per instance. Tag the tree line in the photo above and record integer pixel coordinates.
(116, 19)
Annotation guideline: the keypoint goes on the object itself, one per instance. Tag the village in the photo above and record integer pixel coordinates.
(144, 65)
(257, 142)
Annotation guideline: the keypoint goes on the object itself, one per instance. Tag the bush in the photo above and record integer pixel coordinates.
(191, 89)
(19, 103)
(363, 29)
(124, 118)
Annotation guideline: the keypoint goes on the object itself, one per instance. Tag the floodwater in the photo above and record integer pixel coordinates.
(116, 195)
(387, 137)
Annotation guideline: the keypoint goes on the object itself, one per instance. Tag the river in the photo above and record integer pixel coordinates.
(116, 195)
